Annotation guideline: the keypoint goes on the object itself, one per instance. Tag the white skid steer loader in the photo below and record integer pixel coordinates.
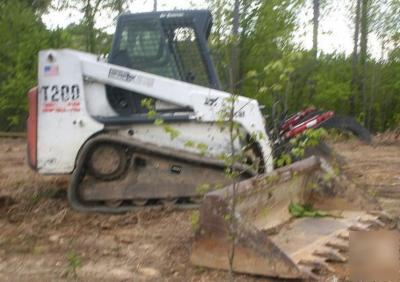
(87, 118)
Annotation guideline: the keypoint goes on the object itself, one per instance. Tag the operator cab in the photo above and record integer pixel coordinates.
(169, 44)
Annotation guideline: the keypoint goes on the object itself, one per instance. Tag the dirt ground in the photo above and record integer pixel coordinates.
(375, 168)
(42, 239)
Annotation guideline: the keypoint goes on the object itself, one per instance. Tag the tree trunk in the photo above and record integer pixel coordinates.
(91, 35)
(316, 5)
(355, 76)
(155, 6)
(234, 64)
(119, 6)
(314, 65)
(233, 81)
(86, 22)
(245, 6)
(375, 82)
(91, 11)
(363, 56)
(89, 14)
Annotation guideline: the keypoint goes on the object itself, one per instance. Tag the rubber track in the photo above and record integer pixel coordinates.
(78, 173)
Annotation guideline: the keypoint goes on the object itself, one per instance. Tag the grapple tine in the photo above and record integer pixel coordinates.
(330, 255)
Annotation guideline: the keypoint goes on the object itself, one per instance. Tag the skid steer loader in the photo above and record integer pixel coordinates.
(89, 118)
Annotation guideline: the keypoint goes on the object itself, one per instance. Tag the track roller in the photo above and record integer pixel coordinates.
(169, 202)
(114, 203)
(139, 202)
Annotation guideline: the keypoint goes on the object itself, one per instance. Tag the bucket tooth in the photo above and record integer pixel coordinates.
(317, 264)
(338, 244)
(309, 271)
(381, 215)
(372, 221)
(330, 255)
(359, 227)
(345, 235)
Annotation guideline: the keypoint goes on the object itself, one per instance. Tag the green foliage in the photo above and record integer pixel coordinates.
(276, 71)
(307, 210)
(272, 68)
(202, 148)
(203, 188)
(35, 199)
(38, 6)
(152, 114)
(74, 261)
(22, 36)
(173, 133)
(337, 135)
(283, 160)
(309, 138)
(206, 187)
(195, 220)
(74, 36)
(93, 39)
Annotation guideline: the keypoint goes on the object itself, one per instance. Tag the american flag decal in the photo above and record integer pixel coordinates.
(50, 70)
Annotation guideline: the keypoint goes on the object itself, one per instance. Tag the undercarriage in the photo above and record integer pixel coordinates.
(133, 174)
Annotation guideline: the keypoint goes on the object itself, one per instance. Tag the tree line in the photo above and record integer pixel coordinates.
(266, 63)
(253, 46)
